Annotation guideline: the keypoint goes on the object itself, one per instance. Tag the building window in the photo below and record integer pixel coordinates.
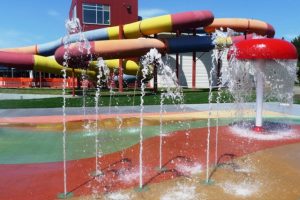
(96, 14)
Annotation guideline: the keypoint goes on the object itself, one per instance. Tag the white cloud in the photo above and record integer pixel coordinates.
(9, 38)
(146, 13)
(14, 38)
(8, 43)
(12, 33)
(53, 13)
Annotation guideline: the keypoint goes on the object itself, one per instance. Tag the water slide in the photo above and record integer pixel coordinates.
(49, 65)
(165, 23)
(130, 67)
(110, 48)
(138, 47)
(37, 63)
(242, 25)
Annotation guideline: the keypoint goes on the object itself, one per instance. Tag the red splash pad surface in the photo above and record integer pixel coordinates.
(120, 169)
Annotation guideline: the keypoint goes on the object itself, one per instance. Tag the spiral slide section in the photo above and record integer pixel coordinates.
(115, 49)
(129, 67)
(242, 25)
(165, 23)
(49, 65)
(130, 48)
(37, 63)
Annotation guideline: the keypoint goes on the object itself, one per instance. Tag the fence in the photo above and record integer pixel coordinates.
(35, 82)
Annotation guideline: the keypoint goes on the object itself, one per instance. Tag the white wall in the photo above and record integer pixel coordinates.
(203, 67)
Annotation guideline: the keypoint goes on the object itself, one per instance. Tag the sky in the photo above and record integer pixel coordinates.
(28, 22)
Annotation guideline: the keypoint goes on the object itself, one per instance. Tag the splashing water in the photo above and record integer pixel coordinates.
(189, 169)
(279, 77)
(212, 72)
(161, 130)
(64, 125)
(243, 189)
(170, 88)
(118, 196)
(135, 87)
(130, 176)
(169, 82)
(147, 69)
(70, 26)
(181, 191)
(111, 91)
(217, 55)
(279, 132)
(73, 26)
(103, 73)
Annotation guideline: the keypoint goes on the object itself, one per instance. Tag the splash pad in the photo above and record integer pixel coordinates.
(183, 157)
(115, 155)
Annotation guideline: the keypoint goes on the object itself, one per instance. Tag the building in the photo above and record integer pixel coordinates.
(94, 14)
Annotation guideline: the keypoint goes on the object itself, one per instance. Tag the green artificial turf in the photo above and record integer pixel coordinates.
(127, 98)
(33, 91)
(117, 99)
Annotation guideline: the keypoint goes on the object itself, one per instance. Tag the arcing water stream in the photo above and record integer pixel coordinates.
(146, 63)
(72, 27)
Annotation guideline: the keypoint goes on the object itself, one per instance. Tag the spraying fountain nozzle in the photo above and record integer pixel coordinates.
(258, 129)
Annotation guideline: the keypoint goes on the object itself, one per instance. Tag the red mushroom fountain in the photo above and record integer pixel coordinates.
(260, 52)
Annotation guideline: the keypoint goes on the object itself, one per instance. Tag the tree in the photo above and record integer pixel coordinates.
(296, 42)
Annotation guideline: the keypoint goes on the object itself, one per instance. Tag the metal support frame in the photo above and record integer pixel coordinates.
(40, 78)
(155, 82)
(155, 87)
(177, 58)
(194, 66)
(73, 82)
(120, 76)
(219, 67)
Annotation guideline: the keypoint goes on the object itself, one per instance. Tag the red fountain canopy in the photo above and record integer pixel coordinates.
(266, 49)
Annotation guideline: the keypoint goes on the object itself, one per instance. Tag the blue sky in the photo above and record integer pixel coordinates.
(27, 22)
